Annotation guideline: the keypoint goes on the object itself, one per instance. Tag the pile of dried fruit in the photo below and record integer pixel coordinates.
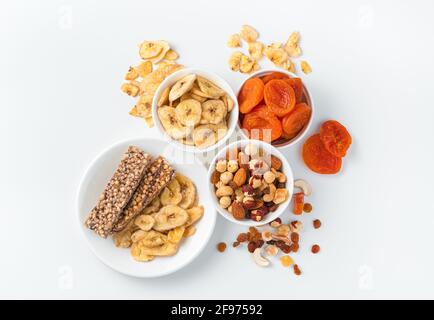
(273, 107)
(282, 238)
(249, 182)
(278, 53)
(323, 152)
(155, 55)
(195, 111)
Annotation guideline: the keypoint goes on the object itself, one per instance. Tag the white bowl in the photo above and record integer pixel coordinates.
(309, 101)
(96, 178)
(286, 169)
(169, 81)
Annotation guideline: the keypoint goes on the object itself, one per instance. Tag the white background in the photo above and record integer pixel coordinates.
(61, 66)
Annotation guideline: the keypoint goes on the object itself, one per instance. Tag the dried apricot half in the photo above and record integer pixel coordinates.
(295, 121)
(318, 159)
(279, 97)
(297, 85)
(251, 94)
(273, 76)
(262, 124)
(335, 137)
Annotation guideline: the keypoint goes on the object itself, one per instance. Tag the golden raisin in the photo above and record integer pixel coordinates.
(295, 237)
(251, 247)
(286, 261)
(316, 223)
(297, 270)
(235, 244)
(315, 248)
(221, 246)
(307, 207)
(242, 237)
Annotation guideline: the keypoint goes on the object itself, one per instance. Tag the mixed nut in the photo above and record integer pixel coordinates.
(249, 182)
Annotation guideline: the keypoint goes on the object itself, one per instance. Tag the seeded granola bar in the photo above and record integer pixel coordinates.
(159, 174)
(118, 191)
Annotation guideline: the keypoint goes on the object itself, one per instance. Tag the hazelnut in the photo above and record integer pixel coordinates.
(251, 149)
(230, 209)
(224, 191)
(243, 158)
(255, 181)
(269, 196)
(225, 202)
(249, 202)
(232, 166)
(280, 196)
(221, 166)
(269, 177)
(219, 184)
(225, 177)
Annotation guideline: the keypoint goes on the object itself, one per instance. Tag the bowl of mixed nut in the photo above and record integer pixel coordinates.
(195, 110)
(251, 182)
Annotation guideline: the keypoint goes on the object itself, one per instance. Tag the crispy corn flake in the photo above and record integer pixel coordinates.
(255, 50)
(234, 41)
(248, 33)
(234, 60)
(305, 67)
(246, 64)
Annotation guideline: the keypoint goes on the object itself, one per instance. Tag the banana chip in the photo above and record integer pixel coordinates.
(276, 55)
(255, 50)
(175, 235)
(248, 33)
(235, 60)
(171, 55)
(246, 64)
(305, 67)
(191, 230)
(144, 68)
(234, 41)
(132, 74)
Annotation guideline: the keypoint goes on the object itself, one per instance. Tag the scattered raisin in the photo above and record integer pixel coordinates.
(251, 247)
(221, 246)
(260, 243)
(286, 249)
(316, 223)
(242, 237)
(295, 247)
(235, 244)
(297, 270)
(315, 248)
(307, 207)
(295, 237)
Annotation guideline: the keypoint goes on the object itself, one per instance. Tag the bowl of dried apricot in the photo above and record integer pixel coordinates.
(251, 182)
(195, 110)
(274, 106)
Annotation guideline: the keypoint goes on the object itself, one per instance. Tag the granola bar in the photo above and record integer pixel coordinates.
(118, 191)
(159, 174)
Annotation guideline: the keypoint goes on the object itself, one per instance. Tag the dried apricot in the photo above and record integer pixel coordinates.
(297, 85)
(318, 159)
(295, 121)
(251, 94)
(273, 76)
(298, 203)
(279, 97)
(335, 137)
(267, 125)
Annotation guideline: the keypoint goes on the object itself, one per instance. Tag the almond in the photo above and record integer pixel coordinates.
(240, 177)
(215, 177)
(276, 163)
(238, 210)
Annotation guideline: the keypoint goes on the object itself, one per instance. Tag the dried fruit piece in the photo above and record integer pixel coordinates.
(189, 231)
(175, 235)
(170, 217)
(297, 270)
(296, 120)
(144, 222)
(151, 49)
(298, 203)
(262, 124)
(247, 64)
(171, 55)
(307, 207)
(235, 244)
(255, 50)
(291, 45)
(276, 163)
(315, 248)
(248, 33)
(295, 237)
(213, 111)
(251, 94)
(132, 74)
(276, 223)
(234, 41)
(317, 223)
(274, 76)
(335, 137)
(286, 261)
(144, 68)
(318, 159)
(130, 89)
(242, 237)
(238, 211)
(235, 60)
(266, 235)
(271, 250)
(276, 55)
(189, 112)
(221, 247)
(279, 97)
(209, 88)
(204, 136)
(305, 67)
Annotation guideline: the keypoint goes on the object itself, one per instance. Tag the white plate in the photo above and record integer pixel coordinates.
(96, 178)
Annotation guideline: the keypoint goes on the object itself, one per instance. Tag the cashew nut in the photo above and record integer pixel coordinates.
(268, 197)
(304, 186)
(260, 260)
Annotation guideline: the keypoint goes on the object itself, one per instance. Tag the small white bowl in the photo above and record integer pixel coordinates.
(286, 169)
(169, 81)
(307, 96)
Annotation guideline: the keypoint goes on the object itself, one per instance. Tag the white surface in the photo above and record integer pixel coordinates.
(96, 178)
(62, 64)
(286, 169)
(233, 115)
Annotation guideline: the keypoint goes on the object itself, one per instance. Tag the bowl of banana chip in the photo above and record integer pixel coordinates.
(195, 110)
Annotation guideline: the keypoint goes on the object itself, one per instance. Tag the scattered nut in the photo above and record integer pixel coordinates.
(276, 223)
(281, 195)
(226, 176)
(232, 166)
(221, 166)
(251, 149)
(255, 181)
(283, 230)
(304, 186)
(224, 191)
(225, 202)
(240, 177)
(238, 211)
(296, 226)
(269, 195)
(269, 177)
(259, 259)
